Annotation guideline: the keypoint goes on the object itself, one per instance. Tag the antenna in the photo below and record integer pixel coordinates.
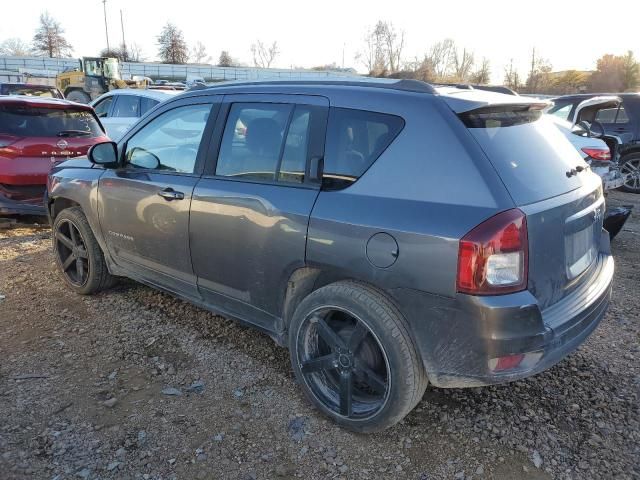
(106, 29)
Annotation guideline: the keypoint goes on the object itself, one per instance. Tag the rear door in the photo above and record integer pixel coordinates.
(549, 182)
(250, 211)
(144, 205)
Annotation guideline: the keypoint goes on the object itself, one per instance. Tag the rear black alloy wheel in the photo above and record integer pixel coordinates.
(343, 363)
(72, 253)
(630, 170)
(354, 358)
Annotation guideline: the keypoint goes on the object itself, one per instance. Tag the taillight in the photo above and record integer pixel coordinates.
(493, 258)
(601, 154)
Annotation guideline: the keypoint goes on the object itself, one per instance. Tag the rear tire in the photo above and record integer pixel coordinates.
(78, 96)
(353, 356)
(630, 169)
(79, 257)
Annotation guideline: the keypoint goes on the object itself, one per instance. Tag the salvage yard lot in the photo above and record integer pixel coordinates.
(135, 384)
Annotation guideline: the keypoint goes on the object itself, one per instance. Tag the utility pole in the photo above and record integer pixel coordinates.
(106, 29)
(124, 45)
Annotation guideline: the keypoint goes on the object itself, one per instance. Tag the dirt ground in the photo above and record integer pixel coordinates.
(134, 384)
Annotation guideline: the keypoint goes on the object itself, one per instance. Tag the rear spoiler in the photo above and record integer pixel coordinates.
(464, 101)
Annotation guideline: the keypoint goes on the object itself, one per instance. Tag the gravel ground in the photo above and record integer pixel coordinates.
(135, 384)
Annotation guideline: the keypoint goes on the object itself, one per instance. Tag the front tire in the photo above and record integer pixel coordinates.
(352, 354)
(630, 170)
(78, 255)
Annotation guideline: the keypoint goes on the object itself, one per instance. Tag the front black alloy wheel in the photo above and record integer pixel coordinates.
(77, 253)
(353, 356)
(72, 253)
(343, 363)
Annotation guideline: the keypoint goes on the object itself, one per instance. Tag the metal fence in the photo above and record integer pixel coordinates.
(43, 66)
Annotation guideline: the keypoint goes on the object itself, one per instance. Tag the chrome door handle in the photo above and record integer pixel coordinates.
(170, 194)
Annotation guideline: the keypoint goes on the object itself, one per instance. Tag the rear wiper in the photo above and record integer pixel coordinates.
(73, 133)
(575, 171)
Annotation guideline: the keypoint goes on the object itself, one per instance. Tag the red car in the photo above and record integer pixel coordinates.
(35, 134)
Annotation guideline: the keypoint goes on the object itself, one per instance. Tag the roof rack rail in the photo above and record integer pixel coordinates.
(464, 86)
(404, 85)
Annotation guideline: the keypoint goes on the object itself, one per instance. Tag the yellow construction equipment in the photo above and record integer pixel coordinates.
(95, 76)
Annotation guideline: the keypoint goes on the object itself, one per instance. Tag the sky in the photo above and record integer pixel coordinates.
(318, 33)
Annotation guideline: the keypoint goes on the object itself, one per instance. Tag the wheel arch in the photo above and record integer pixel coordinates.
(58, 204)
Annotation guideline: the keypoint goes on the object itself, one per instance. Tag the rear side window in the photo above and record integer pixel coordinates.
(355, 139)
(48, 122)
(127, 106)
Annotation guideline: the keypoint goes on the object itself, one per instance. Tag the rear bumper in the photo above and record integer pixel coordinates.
(458, 338)
(13, 207)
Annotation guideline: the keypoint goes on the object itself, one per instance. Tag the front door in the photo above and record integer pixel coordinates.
(250, 211)
(144, 205)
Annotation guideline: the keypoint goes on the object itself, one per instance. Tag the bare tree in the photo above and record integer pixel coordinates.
(394, 42)
(14, 47)
(374, 55)
(225, 59)
(121, 53)
(263, 55)
(172, 47)
(539, 79)
(199, 53)
(482, 75)
(462, 65)
(135, 53)
(49, 40)
(441, 58)
(512, 77)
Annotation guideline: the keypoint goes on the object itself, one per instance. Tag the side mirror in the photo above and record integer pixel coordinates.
(105, 154)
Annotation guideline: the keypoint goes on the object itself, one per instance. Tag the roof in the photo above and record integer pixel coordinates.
(47, 102)
(366, 82)
(578, 96)
(142, 92)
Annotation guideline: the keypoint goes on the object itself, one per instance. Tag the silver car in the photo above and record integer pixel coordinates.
(389, 233)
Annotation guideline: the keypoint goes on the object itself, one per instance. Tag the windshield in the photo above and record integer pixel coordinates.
(31, 91)
(25, 121)
(111, 69)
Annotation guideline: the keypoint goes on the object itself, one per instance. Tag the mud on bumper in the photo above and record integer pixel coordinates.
(460, 339)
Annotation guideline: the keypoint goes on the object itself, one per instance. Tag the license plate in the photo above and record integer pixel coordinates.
(581, 246)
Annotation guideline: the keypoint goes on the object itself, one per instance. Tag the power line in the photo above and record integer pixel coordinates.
(106, 29)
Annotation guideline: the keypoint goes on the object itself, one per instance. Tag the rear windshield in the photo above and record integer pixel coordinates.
(31, 90)
(25, 121)
(528, 151)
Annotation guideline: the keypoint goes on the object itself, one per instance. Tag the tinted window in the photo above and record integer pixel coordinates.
(606, 115)
(127, 106)
(47, 122)
(532, 158)
(147, 104)
(169, 142)
(622, 115)
(294, 158)
(252, 140)
(102, 107)
(355, 139)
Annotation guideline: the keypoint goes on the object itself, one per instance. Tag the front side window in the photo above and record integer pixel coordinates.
(170, 142)
(147, 104)
(102, 107)
(355, 139)
(127, 106)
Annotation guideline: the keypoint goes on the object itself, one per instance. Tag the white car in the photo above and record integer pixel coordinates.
(119, 109)
(595, 151)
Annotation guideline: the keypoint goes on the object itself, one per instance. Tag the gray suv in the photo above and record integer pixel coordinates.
(389, 233)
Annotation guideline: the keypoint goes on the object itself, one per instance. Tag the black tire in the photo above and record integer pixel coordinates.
(630, 169)
(78, 96)
(380, 393)
(78, 255)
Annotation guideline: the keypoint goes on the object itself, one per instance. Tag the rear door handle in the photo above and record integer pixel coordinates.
(170, 194)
